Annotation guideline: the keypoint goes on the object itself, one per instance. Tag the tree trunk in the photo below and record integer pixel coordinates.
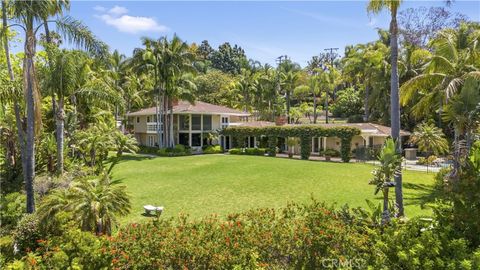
(171, 139)
(30, 88)
(365, 103)
(386, 212)
(288, 106)
(326, 106)
(314, 108)
(60, 134)
(395, 106)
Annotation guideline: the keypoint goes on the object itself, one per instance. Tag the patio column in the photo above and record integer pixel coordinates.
(324, 143)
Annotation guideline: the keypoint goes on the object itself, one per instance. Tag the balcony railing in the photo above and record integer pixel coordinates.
(152, 127)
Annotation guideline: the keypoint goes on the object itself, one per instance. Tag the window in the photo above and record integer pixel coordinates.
(184, 122)
(148, 119)
(207, 122)
(315, 144)
(196, 122)
(183, 139)
(196, 139)
(138, 119)
(370, 141)
(225, 121)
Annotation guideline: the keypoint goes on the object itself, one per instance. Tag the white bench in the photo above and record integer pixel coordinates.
(151, 208)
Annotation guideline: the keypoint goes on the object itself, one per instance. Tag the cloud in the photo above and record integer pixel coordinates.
(118, 10)
(99, 9)
(118, 18)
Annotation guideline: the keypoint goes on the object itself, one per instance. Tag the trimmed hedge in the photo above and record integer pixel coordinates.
(304, 132)
(177, 151)
(248, 151)
(212, 149)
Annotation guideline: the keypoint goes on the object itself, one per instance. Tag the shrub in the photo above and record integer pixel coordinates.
(255, 151)
(357, 118)
(147, 150)
(331, 152)
(178, 150)
(299, 236)
(248, 151)
(27, 233)
(12, 208)
(212, 149)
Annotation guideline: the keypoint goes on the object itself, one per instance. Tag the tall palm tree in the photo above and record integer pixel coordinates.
(376, 6)
(430, 139)
(169, 61)
(30, 15)
(289, 77)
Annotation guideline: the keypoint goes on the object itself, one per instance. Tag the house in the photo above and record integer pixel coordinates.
(192, 124)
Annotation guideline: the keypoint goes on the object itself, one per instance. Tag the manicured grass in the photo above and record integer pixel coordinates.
(222, 184)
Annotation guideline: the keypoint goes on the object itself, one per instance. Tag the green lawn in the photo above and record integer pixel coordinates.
(207, 184)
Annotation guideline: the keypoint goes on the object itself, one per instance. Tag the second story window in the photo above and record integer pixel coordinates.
(184, 122)
(207, 122)
(225, 121)
(148, 119)
(138, 119)
(196, 122)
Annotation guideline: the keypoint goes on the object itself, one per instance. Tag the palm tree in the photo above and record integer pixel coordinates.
(430, 139)
(390, 162)
(463, 113)
(289, 77)
(169, 61)
(28, 13)
(376, 6)
(455, 58)
(94, 203)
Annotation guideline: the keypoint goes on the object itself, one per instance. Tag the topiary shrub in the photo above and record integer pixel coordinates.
(272, 146)
(331, 152)
(305, 147)
(212, 149)
(235, 151)
(345, 149)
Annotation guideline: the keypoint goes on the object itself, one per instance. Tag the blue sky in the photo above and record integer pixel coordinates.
(264, 29)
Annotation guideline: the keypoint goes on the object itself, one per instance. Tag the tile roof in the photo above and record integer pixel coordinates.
(198, 107)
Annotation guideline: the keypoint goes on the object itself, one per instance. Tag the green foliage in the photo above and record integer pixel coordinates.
(149, 150)
(422, 245)
(227, 58)
(94, 203)
(331, 152)
(272, 145)
(12, 208)
(430, 139)
(212, 149)
(462, 200)
(299, 236)
(248, 151)
(26, 233)
(177, 151)
(304, 132)
(356, 118)
(348, 103)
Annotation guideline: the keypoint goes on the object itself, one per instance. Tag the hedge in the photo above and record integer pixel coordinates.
(304, 132)
(248, 151)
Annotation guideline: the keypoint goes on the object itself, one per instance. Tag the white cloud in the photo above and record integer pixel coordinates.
(99, 9)
(118, 18)
(118, 10)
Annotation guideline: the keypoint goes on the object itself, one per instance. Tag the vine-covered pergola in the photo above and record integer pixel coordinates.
(304, 132)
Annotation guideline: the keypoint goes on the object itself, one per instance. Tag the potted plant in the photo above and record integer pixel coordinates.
(291, 143)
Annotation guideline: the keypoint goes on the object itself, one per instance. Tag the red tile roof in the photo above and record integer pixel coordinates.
(184, 107)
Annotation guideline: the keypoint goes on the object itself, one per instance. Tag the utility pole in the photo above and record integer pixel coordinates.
(332, 54)
(279, 61)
